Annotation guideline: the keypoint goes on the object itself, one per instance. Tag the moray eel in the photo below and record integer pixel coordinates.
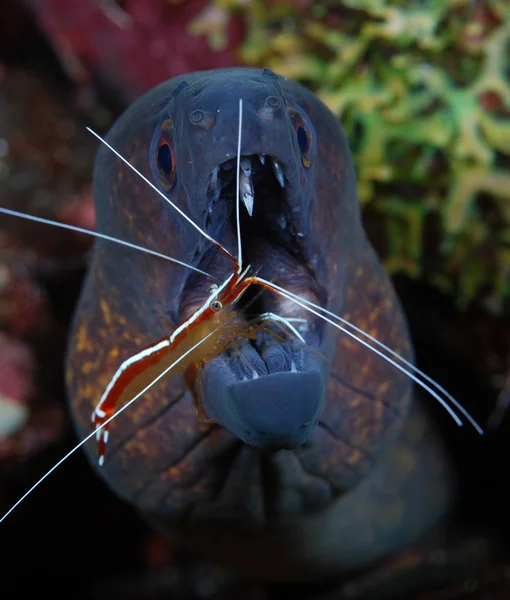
(325, 462)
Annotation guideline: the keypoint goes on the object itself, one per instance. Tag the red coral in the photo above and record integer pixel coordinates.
(80, 212)
(131, 45)
(16, 370)
(23, 304)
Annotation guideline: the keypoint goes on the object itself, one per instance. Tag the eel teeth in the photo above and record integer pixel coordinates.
(215, 185)
(279, 173)
(254, 375)
(246, 185)
(262, 159)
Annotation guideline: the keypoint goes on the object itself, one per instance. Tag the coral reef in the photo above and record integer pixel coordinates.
(423, 91)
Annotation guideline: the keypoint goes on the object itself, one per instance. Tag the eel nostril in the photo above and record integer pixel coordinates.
(268, 109)
(202, 118)
(273, 102)
(196, 117)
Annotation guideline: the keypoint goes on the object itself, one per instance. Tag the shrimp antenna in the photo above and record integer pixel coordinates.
(97, 429)
(158, 191)
(314, 308)
(238, 191)
(103, 236)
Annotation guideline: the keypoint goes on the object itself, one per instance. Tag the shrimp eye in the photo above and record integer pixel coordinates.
(165, 158)
(303, 138)
(216, 306)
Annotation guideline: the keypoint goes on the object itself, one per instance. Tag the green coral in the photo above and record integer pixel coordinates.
(423, 92)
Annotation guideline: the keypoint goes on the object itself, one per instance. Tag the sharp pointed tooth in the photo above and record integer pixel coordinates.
(262, 159)
(214, 175)
(248, 202)
(279, 173)
(246, 186)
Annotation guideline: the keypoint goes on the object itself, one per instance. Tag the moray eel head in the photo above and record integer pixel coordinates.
(301, 422)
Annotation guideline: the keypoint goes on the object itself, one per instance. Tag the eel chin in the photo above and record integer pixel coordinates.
(269, 392)
(270, 411)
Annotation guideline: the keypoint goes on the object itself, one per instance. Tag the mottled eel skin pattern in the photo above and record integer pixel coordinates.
(324, 463)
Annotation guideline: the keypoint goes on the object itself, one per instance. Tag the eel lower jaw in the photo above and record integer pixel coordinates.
(271, 411)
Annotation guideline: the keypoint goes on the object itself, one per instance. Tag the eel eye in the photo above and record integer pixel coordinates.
(165, 157)
(165, 160)
(196, 117)
(303, 137)
(273, 102)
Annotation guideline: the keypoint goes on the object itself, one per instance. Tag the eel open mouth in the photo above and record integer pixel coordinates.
(269, 392)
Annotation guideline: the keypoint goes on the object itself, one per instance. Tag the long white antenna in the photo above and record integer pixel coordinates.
(307, 305)
(158, 191)
(103, 236)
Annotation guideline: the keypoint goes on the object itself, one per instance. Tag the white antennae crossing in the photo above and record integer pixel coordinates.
(158, 191)
(114, 416)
